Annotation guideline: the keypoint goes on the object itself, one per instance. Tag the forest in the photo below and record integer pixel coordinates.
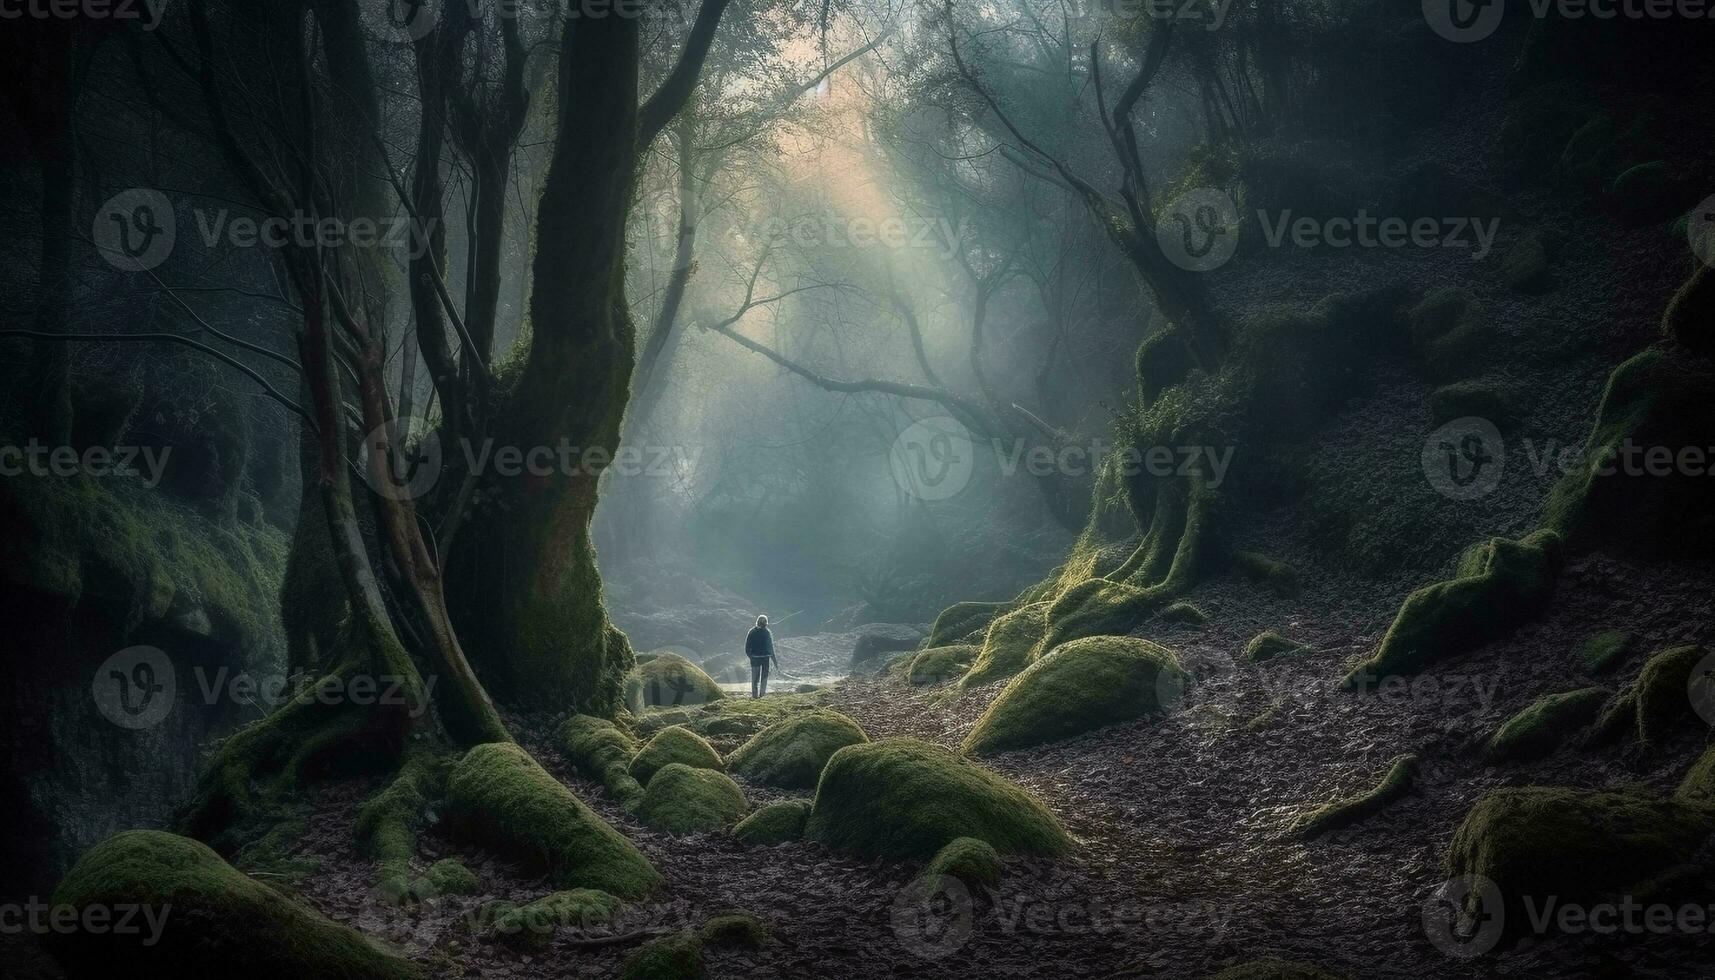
(668, 489)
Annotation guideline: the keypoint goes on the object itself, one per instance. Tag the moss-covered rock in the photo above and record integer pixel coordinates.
(1277, 576)
(675, 956)
(1450, 335)
(792, 753)
(871, 646)
(686, 800)
(1184, 613)
(1498, 585)
(603, 751)
(1535, 842)
(904, 798)
(210, 919)
(1500, 402)
(1008, 644)
(773, 824)
(1642, 486)
(1271, 968)
(1081, 686)
(1337, 814)
(449, 876)
(1268, 645)
(971, 861)
(501, 798)
(1603, 651)
(668, 680)
(1546, 725)
(1663, 703)
(938, 664)
(734, 930)
(1698, 786)
(535, 924)
(676, 744)
(964, 623)
(1525, 264)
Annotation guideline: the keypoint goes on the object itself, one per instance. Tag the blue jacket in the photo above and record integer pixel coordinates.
(759, 645)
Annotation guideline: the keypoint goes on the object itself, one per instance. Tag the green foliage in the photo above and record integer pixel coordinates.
(937, 664)
(676, 956)
(773, 824)
(670, 745)
(1277, 576)
(603, 751)
(1081, 686)
(1270, 968)
(1486, 398)
(971, 861)
(908, 799)
(1498, 585)
(686, 800)
(501, 798)
(1534, 842)
(1268, 645)
(792, 753)
(1008, 644)
(218, 922)
(534, 925)
(964, 622)
(668, 680)
(1602, 652)
(738, 930)
(1343, 813)
(1632, 490)
(1546, 725)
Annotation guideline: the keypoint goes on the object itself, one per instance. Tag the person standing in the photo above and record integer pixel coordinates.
(759, 647)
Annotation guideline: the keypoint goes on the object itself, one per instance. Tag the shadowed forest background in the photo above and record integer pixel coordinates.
(1230, 482)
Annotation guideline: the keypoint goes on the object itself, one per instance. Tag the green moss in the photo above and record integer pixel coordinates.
(602, 751)
(1008, 643)
(1498, 401)
(908, 799)
(746, 715)
(1270, 968)
(388, 822)
(686, 800)
(534, 925)
(971, 861)
(1342, 813)
(1277, 576)
(734, 930)
(1268, 645)
(676, 956)
(938, 664)
(1690, 315)
(773, 824)
(1099, 607)
(1163, 361)
(1186, 613)
(1451, 336)
(669, 680)
(677, 744)
(1698, 786)
(501, 798)
(217, 921)
(964, 622)
(792, 753)
(1534, 842)
(1602, 652)
(1081, 686)
(1546, 725)
(1498, 586)
(1525, 265)
(1633, 491)
(449, 876)
(1663, 705)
